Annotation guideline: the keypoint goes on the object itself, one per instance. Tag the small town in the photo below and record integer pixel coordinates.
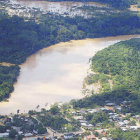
(80, 126)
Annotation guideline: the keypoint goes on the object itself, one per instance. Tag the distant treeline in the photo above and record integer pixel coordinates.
(19, 39)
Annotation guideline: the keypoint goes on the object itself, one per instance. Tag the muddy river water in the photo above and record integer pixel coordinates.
(55, 74)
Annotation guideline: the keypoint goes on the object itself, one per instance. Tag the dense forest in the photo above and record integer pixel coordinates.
(8, 76)
(122, 62)
(19, 39)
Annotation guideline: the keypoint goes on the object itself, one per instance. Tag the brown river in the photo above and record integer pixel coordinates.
(55, 74)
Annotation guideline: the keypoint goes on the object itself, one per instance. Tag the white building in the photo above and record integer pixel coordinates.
(4, 135)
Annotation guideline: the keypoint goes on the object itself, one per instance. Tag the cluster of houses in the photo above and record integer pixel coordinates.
(114, 113)
(111, 109)
(21, 124)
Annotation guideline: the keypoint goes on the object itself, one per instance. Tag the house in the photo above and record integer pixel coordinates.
(110, 104)
(83, 112)
(90, 126)
(73, 113)
(121, 124)
(126, 103)
(83, 121)
(4, 135)
(118, 108)
(35, 132)
(84, 124)
(113, 116)
(8, 130)
(78, 117)
(126, 121)
(78, 112)
(110, 114)
(92, 111)
(134, 127)
(28, 134)
(124, 129)
(68, 136)
(107, 101)
(110, 120)
(20, 132)
(105, 109)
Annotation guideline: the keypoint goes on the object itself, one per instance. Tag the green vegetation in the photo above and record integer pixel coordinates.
(13, 133)
(96, 77)
(38, 122)
(55, 119)
(118, 134)
(55, 122)
(122, 62)
(98, 117)
(19, 39)
(8, 76)
(102, 79)
(26, 124)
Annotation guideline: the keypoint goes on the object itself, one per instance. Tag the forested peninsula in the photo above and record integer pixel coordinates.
(121, 64)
